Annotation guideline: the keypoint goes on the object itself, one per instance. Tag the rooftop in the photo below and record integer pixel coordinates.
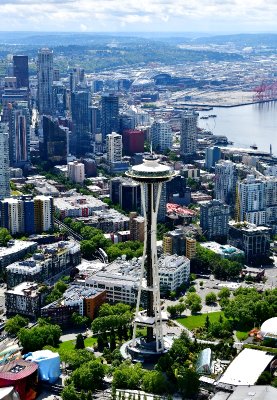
(15, 246)
(246, 368)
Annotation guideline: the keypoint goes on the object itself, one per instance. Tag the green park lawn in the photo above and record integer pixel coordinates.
(70, 344)
(196, 321)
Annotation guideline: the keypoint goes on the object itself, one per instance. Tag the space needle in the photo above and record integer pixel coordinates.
(151, 175)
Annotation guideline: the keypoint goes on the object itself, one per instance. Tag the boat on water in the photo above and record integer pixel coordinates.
(204, 117)
(212, 115)
(254, 146)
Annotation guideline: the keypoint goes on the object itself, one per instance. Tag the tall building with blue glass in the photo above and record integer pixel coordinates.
(80, 112)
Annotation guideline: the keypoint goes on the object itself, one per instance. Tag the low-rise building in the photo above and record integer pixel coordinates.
(78, 206)
(108, 220)
(77, 298)
(24, 299)
(225, 251)
(15, 250)
(52, 261)
(173, 271)
(121, 277)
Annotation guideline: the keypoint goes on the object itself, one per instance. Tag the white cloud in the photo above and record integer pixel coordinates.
(93, 15)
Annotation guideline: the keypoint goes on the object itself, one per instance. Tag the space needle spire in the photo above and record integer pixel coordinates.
(151, 175)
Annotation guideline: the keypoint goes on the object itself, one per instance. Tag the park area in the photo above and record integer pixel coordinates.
(197, 321)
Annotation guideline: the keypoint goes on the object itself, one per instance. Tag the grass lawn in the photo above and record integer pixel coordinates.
(241, 335)
(70, 344)
(195, 321)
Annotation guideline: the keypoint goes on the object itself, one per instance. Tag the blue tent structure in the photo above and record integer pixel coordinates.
(48, 364)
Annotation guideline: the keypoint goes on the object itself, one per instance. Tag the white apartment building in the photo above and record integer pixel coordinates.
(161, 136)
(174, 271)
(188, 133)
(225, 181)
(114, 148)
(76, 171)
(4, 161)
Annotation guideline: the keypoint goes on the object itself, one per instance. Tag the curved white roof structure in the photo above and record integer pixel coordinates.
(269, 328)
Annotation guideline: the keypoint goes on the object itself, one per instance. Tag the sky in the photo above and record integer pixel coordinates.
(210, 16)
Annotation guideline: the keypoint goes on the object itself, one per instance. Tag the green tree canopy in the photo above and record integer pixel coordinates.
(39, 336)
(13, 325)
(4, 237)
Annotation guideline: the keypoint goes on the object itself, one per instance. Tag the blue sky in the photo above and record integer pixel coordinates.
(211, 16)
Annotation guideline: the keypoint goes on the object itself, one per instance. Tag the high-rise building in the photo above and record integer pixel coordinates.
(43, 213)
(95, 120)
(45, 81)
(133, 141)
(109, 115)
(27, 215)
(212, 156)
(19, 138)
(161, 136)
(250, 204)
(188, 133)
(81, 122)
(76, 171)
(4, 161)
(21, 71)
(214, 219)
(114, 148)
(130, 196)
(174, 242)
(225, 182)
(54, 146)
(136, 227)
(59, 99)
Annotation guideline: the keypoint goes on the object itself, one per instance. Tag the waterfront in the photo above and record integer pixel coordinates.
(245, 125)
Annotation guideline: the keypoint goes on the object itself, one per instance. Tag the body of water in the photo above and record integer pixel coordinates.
(245, 125)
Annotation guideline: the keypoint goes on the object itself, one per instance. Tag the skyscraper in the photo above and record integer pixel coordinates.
(114, 148)
(81, 122)
(251, 204)
(109, 115)
(55, 141)
(45, 81)
(212, 156)
(21, 71)
(225, 182)
(188, 133)
(161, 136)
(4, 161)
(214, 218)
(19, 138)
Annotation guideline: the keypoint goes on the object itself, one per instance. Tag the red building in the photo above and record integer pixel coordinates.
(133, 141)
(22, 375)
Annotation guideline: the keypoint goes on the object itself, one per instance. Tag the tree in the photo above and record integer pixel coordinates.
(193, 302)
(69, 393)
(89, 376)
(79, 320)
(39, 336)
(80, 344)
(112, 340)
(224, 293)
(154, 382)
(264, 379)
(210, 298)
(188, 382)
(13, 325)
(207, 322)
(127, 376)
(4, 237)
